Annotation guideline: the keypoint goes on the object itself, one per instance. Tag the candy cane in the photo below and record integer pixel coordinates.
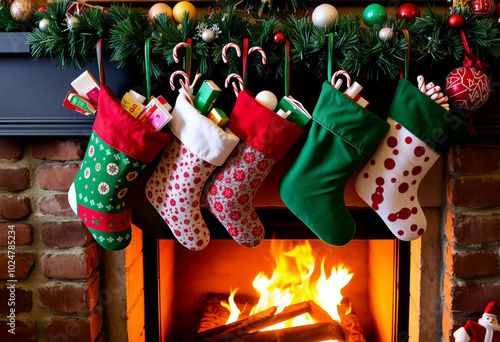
(235, 87)
(175, 73)
(341, 72)
(182, 44)
(421, 83)
(263, 54)
(227, 46)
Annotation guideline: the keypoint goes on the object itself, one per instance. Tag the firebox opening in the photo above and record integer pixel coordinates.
(186, 278)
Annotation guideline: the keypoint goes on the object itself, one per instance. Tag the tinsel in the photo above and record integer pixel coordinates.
(357, 49)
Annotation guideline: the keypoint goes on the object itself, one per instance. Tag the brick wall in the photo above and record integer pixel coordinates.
(471, 250)
(56, 261)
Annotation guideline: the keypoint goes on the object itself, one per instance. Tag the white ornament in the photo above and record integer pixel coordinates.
(324, 15)
(208, 36)
(44, 24)
(385, 34)
(267, 99)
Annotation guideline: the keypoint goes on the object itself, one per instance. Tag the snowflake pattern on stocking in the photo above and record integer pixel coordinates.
(174, 190)
(230, 191)
(389, 181)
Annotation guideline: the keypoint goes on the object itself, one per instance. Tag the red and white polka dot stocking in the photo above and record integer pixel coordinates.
(389, 181)
(230, 191)
(174, 190)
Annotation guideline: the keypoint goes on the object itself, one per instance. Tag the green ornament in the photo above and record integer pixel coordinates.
(374, 14)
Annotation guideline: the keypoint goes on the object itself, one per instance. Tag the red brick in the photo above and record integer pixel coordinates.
(65, 234)
(24, 331)
(470, 264)
(450, 325)
(71, 298)
(469, 298)
(57, 205)
(14, 179)
(472, 229)
(57, 177)
(23, 299)
(23, 233)
(10, 148)
(14, 208)
(475, 159)
(57, 149)
(23, 265)
(78, 265)
(473, 193)
(73, 329)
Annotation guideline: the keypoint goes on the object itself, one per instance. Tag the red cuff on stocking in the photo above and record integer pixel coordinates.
(261, 128)
(124, 132)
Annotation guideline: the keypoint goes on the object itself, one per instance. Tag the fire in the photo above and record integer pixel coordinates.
(233, 309)
(296, 279)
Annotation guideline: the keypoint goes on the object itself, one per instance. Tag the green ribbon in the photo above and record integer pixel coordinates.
(99, 61)
(147, 61)
(330, 56)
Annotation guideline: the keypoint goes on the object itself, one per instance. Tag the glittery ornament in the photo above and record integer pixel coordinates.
(22, 9)
(385, 34)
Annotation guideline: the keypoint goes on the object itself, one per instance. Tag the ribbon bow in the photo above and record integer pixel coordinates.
(472, 60)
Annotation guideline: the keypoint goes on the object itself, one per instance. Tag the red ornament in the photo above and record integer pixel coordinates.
(279, 38)
(105, 10)
(456, 21)
(42, 9)
(408, 12)
(467, 88)
(483, 8)
(497, 11)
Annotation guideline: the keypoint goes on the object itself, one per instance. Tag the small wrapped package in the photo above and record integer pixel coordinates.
(296, 114)
(218, 116)
(79, 103)
(206, 96)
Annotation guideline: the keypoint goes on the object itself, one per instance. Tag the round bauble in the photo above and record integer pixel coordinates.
(42, 9)
(385, 34)
(182, 7)
(456, 21)
(267, 99)
(483, 8)
(497, 11)
(374, 14)
(324, 15)
(279, 38)
(159, 8)
(71, 21)
(467, 88)
(22, 9)
(44, 24)
(208, 36)
(408, 12)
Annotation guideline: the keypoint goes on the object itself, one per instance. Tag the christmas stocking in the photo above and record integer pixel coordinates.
(341, 136)
(120, 147)
(175, 187)
(420, 131)
(229, 192)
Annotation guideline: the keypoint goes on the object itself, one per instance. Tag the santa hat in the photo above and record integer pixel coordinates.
(492, 309)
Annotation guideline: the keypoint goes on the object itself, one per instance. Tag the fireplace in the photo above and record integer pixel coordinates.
(177, 281)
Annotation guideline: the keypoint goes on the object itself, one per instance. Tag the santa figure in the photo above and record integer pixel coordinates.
(487, 328)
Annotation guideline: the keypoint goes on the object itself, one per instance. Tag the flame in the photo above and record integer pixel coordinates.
(294, 280)
(233, 309)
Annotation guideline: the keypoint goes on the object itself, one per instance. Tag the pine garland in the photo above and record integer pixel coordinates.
(357, 49)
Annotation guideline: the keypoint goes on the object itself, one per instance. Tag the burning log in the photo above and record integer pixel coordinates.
(249, 328)
(350, 323)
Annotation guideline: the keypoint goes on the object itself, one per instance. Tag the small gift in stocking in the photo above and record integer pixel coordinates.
(230, 191)
(175, 187)
(119, 149)
(420, 131)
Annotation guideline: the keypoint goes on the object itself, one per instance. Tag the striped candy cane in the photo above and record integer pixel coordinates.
(421, 83)
(263, 54)
(341, 72)
(184, 84)
(182, 44)
(235, 87)
(227, 46)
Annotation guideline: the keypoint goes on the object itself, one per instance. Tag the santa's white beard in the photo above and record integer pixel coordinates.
(490, 328)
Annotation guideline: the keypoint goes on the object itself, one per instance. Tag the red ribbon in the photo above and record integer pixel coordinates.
(471, 60)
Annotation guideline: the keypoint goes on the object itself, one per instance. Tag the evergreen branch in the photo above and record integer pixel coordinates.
(7, 23)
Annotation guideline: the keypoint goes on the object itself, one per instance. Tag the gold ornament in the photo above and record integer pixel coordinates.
(181, 7)
(462, 4)
(22, 9)
(159, 8)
